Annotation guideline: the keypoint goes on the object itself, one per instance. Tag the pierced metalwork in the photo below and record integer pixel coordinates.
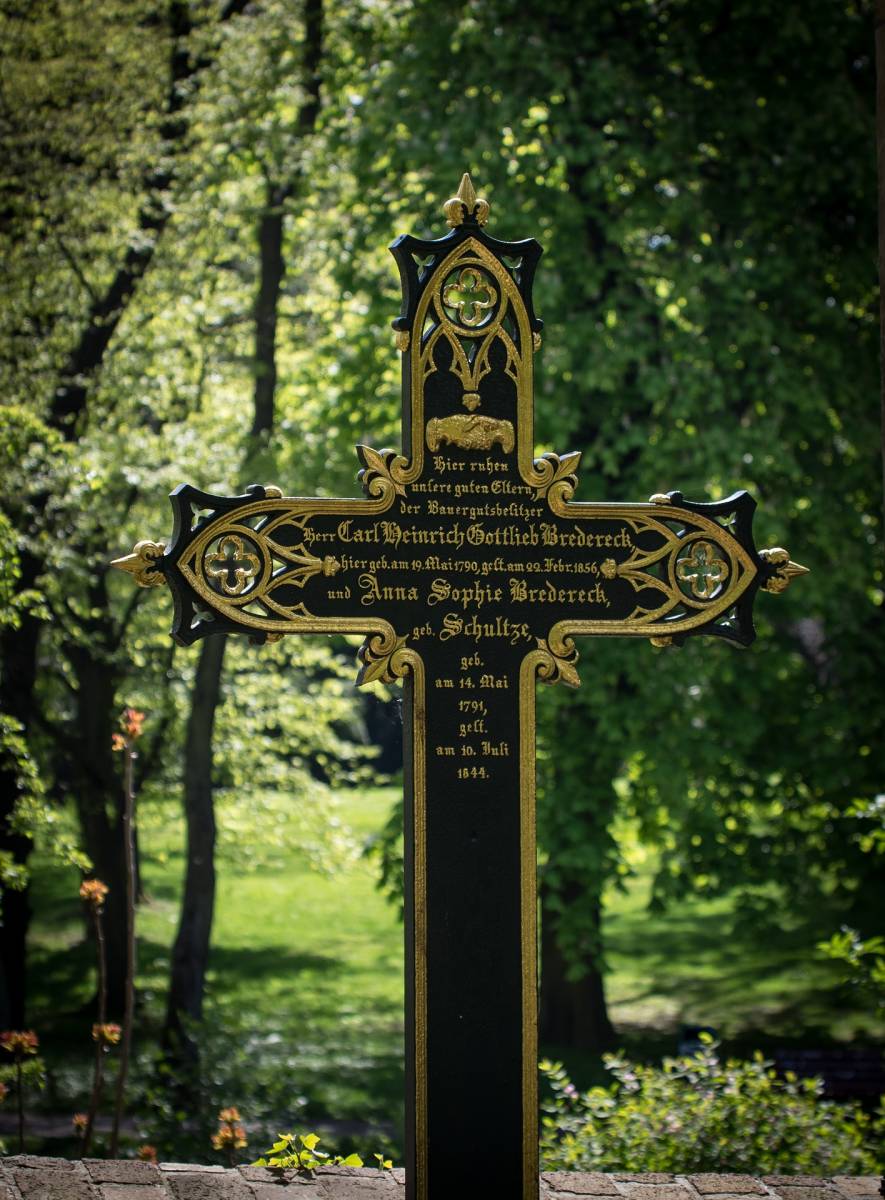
(464, 297)
(701, 570)
(230, 567)
(558, 662)
(469, 566)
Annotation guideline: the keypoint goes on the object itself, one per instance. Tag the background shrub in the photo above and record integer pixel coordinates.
(702, 1114)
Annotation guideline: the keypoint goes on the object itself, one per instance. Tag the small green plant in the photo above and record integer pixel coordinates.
(285, 1153)
(701, 1114)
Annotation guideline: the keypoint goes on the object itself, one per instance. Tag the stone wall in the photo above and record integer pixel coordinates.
(29, 1178)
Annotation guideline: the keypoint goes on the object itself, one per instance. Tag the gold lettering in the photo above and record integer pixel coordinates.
(373, 591)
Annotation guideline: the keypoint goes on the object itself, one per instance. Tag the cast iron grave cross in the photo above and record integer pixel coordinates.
(469, 568)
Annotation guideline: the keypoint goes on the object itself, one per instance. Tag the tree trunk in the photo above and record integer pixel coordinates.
(880, 146)
(573, 1012)
(69, 400)
(270, 245)
(576, 808)
(190, 954)
(18, 670)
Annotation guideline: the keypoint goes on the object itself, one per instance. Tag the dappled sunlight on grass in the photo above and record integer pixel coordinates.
(699, 963)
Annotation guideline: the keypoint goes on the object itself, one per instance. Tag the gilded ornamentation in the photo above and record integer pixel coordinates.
(308, 564)
(536, 341)
(702, 570)
(382, 471)
(650, 568)
(661, 641)
(786, 570)
(143, 563)
(465, 204)
(659, 498)
(402, 340)
(558, 660)
(469, 284)
(470, 433)
(381, 656)
(231, 568)
(556, 475)
(465, 297)
(287, 558)
(505, 322)
(272, 492)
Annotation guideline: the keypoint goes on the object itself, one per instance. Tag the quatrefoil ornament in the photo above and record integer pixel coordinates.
(464, 297)
(702, 570)
(231, 567)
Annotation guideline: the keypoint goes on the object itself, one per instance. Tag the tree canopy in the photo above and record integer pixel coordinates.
(702, 177)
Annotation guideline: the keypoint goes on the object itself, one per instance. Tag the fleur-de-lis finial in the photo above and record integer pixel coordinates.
(465, 206)
(143, 564)
(784, 569)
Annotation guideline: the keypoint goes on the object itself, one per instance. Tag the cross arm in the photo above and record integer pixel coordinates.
(671, 567)
(265, 564)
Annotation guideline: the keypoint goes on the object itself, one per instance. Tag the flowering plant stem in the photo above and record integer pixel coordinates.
(98, 1070)
(21, 1106)
(129, 1012)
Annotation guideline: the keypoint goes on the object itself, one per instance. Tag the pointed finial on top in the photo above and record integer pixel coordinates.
(466, 206)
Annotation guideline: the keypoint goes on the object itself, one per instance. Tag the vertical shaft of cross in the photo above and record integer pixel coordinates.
(471, 1027)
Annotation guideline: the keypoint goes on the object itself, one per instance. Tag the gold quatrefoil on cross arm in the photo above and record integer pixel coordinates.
(231, 567)
(702, 570)
(464, 296)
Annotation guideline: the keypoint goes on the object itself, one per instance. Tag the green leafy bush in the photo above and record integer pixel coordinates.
(702, 1114)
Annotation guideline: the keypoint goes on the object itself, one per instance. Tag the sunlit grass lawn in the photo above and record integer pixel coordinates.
(305, 989)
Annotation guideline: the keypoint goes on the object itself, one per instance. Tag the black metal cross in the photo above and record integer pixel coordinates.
(470, 569)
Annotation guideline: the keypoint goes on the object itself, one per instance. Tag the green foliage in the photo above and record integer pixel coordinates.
(702, 180)
(303, 1011)
(386, 848)
(711, 324)
(702, 1114)
(864, 958)
(32, 815)
(285, 1152)
(33, 1073)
